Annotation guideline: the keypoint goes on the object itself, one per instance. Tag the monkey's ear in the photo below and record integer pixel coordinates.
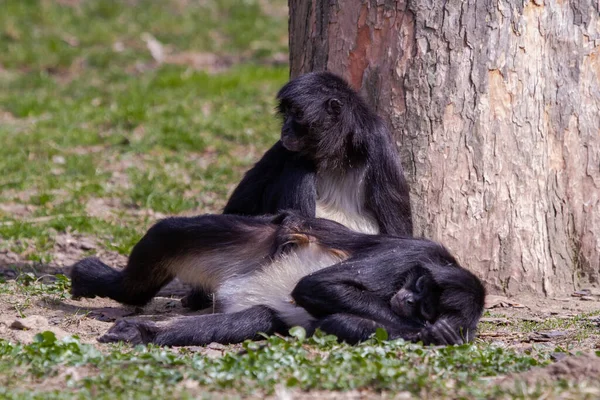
(334, 106)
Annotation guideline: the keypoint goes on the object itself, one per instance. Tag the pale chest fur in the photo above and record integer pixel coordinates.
(341, 198)
(272, 284)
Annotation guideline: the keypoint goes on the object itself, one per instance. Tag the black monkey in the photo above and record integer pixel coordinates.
(271, 273)
(336, 159)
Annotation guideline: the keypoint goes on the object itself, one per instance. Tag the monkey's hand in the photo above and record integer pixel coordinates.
(443, 333)
(131, 331)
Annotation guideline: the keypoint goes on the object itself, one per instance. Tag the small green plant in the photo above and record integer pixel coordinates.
(315, 363)
(57, 285)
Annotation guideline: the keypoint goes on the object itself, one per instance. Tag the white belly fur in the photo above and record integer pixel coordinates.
(272, 285)
(348, 218)
(341, 198)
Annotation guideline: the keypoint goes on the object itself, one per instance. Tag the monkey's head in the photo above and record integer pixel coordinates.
(445, 298)
(419, 297)
(324, 119)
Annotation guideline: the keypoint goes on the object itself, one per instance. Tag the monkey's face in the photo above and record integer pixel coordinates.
(322, 119)
(307, 128)
(294, 132)
(417, 299)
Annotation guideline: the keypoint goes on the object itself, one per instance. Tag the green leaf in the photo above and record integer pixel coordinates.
(292, 381)
(298, 332)
(45, 338)
(381, 335)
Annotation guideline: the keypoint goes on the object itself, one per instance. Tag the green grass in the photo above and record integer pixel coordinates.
(579, 321)
(44, 35)
(51, 368)
(86, 113)
(30, 285)
(318, 363)
(576, 329)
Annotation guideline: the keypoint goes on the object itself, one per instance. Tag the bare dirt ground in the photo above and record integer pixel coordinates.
(522, 321)
(23, 315)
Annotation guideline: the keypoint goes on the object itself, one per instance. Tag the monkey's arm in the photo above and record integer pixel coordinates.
(352, 303)
(347, 289)
(281, 180)
(387, 193)
(351, 299)
(198, 330)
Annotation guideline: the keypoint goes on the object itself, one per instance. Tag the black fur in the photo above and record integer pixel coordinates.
(328, 131)
(204, 329)
(154, 259)
(364, 285)
(281, 180)
(324, 139)
(350, 298)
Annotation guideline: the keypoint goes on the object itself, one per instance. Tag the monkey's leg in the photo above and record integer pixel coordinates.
(198, 330)
(150, 266)
(202, 251)
(285, 237)
(90, 277)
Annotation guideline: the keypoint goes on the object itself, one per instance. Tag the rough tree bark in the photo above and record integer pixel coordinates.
(496, 108)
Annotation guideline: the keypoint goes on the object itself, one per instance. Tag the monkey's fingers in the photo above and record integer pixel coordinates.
(443, 333)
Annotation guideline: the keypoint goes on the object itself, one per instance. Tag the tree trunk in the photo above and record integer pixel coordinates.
(496, 109)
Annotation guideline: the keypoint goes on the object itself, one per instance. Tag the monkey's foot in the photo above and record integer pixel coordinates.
(81, 277)
(131, 331)
(90, 277)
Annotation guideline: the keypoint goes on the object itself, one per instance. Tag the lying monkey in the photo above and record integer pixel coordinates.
(271, 273)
